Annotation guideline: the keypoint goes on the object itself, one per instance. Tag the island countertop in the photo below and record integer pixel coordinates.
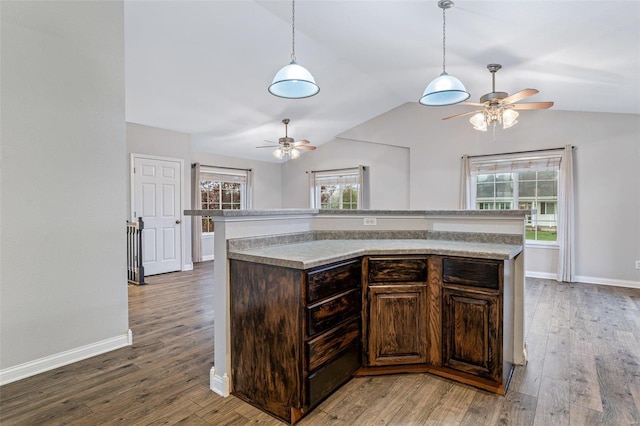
(311, 254)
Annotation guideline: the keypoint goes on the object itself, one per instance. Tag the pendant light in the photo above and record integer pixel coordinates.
(445, 89)
(293, 81)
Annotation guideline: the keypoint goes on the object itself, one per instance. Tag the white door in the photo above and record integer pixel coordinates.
(157, 187)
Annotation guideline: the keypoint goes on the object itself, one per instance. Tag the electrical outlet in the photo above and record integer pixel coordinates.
(370, 221)
(637, 264)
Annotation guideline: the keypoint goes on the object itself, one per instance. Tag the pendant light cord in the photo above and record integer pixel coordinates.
(293, 30)
(444, 37)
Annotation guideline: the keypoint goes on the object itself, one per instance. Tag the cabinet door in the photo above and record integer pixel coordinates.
(471, 333)
(397, 325)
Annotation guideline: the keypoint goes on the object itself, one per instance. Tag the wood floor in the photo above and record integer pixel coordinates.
(584, 369)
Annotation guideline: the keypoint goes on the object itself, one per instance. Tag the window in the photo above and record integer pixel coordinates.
(222, 189)
(338, 189)
(520, 183)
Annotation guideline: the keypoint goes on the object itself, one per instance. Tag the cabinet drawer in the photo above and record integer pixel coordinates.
(333, 279)
(327, 314)
(328, 345)
(333, 375)
(471, 272)
(389, 270)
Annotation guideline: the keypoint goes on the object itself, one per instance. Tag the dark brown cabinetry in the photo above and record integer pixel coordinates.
(470, 332)
(333, 306)
(472, 317)
(297, 334)
(437, 314)
(396, 305)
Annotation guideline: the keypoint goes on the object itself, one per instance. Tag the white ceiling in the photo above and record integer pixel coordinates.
(203, 67)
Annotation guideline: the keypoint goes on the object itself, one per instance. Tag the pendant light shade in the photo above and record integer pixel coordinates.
(294, 82)
(445, 89)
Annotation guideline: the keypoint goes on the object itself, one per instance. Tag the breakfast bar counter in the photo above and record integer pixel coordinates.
(306, 299)
(311, 254)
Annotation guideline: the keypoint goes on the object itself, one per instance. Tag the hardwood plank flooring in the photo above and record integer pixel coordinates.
(583, 369)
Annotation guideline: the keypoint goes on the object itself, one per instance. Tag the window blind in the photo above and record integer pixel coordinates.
(346, 177)
(222, 175)
(511, 165)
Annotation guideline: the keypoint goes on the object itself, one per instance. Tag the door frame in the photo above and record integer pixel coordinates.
(133, 157)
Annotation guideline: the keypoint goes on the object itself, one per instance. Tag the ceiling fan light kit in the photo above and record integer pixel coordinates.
(444, 89)
(287, 148)
(293, 81)
(499, 107)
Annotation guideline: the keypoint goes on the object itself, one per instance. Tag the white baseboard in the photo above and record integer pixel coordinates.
(607, 281)
(219, 384)
(206, 258)
(587, 280)
(50, 362)
(187, 267)
(544, 275)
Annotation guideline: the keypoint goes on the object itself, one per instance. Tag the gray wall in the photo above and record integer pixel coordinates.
(388, 170)
(157, 142)
(62, 266)
(266, 177)
(606, 161)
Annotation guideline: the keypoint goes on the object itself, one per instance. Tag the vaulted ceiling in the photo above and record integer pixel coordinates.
(203, 67)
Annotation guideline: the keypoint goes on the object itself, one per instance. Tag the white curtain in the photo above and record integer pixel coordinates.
(312, 190)
(248, 193)
(566, 256)
(465, 185)
(196, 221)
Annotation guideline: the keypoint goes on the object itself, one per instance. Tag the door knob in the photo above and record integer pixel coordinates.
(178, 222)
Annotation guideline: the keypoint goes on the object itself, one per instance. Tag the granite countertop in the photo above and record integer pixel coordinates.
(311, 254)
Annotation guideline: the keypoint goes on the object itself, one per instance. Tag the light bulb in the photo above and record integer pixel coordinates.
(478, 122)
(278, 153)
(509, 118)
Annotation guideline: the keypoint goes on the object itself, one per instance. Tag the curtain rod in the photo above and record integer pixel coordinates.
(337, 170)
(222, 167)
(517, 152)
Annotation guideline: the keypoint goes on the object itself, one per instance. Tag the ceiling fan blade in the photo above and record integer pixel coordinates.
(267, 146)
(471, 103)
(532, 105)
(463, 114)
(307, 147)
(301, 142)
(518, 96)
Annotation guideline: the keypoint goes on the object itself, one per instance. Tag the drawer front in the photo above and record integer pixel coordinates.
(327, 314)
(333, 279)
(471, 272)
(390, 270)
(328, 345)
(324, 381)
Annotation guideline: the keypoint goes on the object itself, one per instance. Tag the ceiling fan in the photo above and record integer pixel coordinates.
(286, 147)
(500, 107)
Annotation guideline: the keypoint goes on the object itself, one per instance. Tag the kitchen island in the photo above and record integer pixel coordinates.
(314, 297)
